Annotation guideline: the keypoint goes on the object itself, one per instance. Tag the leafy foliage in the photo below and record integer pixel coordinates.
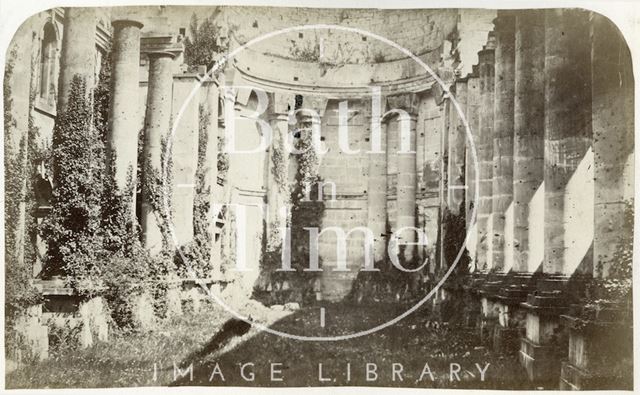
(223, 160)
(20, 206)
(198, 252)
(203, 44)
(91, 232)
(304, 214)
(72, 229)
(454, 229)
(279, 162)
(156, 189)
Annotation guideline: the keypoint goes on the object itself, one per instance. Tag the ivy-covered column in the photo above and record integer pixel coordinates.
(78, 56)
(210, 164)
(123, 116)
(157, 128)
(184, 154)
(278, 190)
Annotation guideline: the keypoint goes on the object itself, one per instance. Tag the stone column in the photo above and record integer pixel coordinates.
(567, 129)
(613, 127)
(278, 190)
(184, 153)
(528, 169)
(78, 56)
(406, 192)
(123, 111)
(377, 196)
(484, 147)
(457, 143)
(210, 164)
(471, 164)
(157, 128)
(503, 135)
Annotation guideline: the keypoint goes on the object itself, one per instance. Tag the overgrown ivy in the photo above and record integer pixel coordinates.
(203, 43)
(72, 229)
(13, 169)
(223, 160)
(198, 252)
(20, 206)
(616, 288)
(279, 160)
(304, 214)
(91, 233)
(454, 234)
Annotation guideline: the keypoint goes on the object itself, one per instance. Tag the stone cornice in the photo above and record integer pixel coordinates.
(156, 44)
(333, 82)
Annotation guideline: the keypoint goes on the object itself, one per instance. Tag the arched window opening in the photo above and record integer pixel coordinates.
(48, 54)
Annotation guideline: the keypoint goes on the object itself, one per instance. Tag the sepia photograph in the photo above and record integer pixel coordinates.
(294, 196)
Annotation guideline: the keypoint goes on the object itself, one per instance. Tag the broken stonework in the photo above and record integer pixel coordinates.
(174, 301)
(34, 335)
(142, 312)
(194, 298)
(94, 316)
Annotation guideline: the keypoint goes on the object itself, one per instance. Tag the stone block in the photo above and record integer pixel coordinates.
(599, 354)
(540, 362)
(195, 296)
(174, 302)
(94, 316)
(143, 315)
(34, 335)
(85, 338)
(292, 306)
(486, 328)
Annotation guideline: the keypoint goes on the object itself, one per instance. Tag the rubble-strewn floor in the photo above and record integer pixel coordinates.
(416, 346)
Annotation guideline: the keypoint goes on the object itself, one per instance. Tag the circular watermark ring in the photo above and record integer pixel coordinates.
(216, 67)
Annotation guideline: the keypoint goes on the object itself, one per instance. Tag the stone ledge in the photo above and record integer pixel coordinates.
(544, 310)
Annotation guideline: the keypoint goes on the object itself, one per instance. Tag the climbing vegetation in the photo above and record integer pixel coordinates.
(297, 285)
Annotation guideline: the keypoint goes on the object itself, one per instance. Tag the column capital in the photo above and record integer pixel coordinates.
(316, 103)
(281, 103)
(160, 46)
(407, 102)
(124, 22)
